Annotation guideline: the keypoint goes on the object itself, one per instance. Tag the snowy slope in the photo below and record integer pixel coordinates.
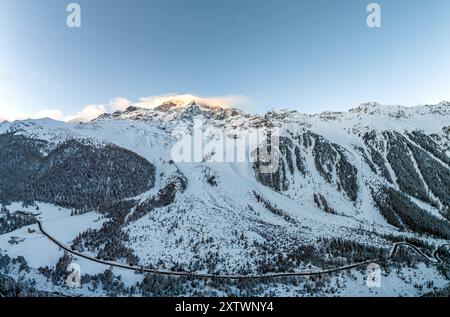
(227, 218)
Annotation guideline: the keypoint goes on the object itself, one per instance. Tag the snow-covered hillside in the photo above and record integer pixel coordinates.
(347, 187)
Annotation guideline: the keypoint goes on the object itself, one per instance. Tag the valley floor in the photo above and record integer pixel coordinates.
(412, 277)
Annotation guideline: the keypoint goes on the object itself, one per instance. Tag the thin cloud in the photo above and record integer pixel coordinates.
(182, 99)
(54, 114)
(119, 103)
(88, 113)
(7, 115)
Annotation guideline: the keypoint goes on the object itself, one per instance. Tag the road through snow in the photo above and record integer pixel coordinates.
(435, 260)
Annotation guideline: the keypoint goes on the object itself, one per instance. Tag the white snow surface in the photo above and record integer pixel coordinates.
(227, 219)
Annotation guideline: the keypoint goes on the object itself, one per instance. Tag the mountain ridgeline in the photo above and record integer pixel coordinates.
(370, 176)
(418, 169)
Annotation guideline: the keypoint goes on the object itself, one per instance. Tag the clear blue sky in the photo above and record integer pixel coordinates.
(311, 55)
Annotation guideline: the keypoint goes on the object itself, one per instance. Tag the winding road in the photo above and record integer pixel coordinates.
(435, 259)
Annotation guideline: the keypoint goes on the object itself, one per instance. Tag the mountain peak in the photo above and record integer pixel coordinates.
(166, 106)
(366, 107)
(183, 105)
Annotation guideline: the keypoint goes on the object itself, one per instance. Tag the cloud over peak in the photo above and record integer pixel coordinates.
(183, 99)
(90, 112)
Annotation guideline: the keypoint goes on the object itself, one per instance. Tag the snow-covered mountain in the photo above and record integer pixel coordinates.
(348, 185)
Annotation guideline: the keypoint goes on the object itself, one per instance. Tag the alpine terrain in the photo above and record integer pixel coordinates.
(355, 203)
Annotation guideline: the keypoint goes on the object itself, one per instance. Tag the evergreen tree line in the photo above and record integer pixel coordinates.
(428, 144)
(373, 146)
(177, 183)
(400, 211)
(73, 174)
(27, 288)
(328, 157)
(276, 179)
(273, 208)
(322, 203)
(435, 175)
(11, 222)
(108, 242)
(325, 253)
(7, 263)
(399, 157)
